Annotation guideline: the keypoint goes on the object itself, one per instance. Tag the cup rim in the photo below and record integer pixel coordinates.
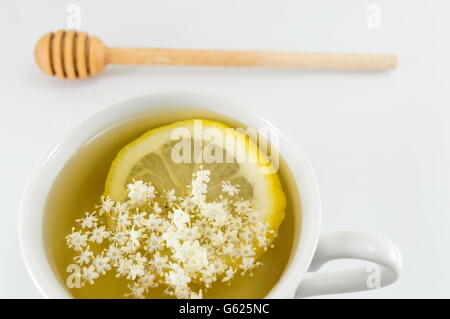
(307, 187)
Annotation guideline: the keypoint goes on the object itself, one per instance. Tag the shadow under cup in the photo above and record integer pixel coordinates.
(80, 183)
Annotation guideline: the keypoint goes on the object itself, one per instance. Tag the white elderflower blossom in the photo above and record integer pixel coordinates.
(152, 222)
(139, 192)
(180, 218)
(171, 239)
(231, 190)
(229, 249)
(229, 273)
(208, 275)
(138, 219)
(215, 211)
(155, 243)
(123, 267)
(134, 237)
(148, 281)
(101, 264)
(76, 240)
(114, 253)
(135, 270)
(195, 295)
(243, 206)
(156, 208)
(98, 234)
(248, 263)
(185, 243)
(171, 197)
(123, 220)
(159, 263)
(199, 186)
(191, 233)
(202, 175)
(89, 274)
(247, 251)
(84, 257)
(120, 208)
(136, 291)
(187, 204)
(106, 205)
(139, 258)
(128, 248)
(217, 238)
(192, 255)
(120, 237)
(88, 221)
(177, 277)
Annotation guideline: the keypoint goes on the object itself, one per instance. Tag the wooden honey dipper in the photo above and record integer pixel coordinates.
(73, 55)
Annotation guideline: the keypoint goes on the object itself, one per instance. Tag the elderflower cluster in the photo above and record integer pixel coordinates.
(184, 243)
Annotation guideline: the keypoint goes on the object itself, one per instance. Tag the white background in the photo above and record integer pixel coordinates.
(379, 142)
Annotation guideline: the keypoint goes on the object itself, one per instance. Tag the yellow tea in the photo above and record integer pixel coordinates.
(81, 182)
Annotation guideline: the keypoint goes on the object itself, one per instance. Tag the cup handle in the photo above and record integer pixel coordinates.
(383, 255)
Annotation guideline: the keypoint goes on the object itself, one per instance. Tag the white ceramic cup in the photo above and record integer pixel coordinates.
(302, 277)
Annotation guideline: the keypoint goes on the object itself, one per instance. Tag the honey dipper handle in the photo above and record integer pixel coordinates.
(338, 61)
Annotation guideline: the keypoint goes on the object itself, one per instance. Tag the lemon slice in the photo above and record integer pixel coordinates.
(151, 158)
